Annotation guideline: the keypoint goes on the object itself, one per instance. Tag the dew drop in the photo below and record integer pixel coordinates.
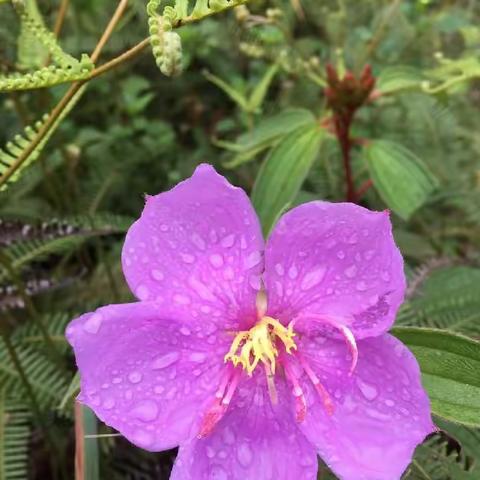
(293, 272)
(389, 403)
(228, 241)
(157, 275)
(218, 473)
(314, 277)
(198, 241)
(181, 299)
(146, 410)
(164, 228)
(164, 361)
(210, 452)
(135, 377)
(341, 254)
(369, 391)
(279, 269)
(353, 239)
(185, 331)
(187, 257)
(108, 403)
(216, 260)
(351, 271)
(253, 260)
(228, 273)
(243, 243)
(244, 454)
(198, 357)
(369, 254)
(385, 276)
(213, 236)
(142, 292)
(142, 438)
(93, 324)
(361, 286)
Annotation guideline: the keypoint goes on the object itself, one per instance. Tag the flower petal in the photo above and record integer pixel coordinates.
(145, 374)
(381, 412)
(197, 247)
(253, 441)
(334, 264)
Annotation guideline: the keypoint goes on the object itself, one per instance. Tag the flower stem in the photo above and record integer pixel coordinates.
(342, 130)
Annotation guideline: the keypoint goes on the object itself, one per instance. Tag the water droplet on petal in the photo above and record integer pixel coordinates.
(164, 361)
(361, 286)
(218, 473)
(385, 276)
(314, 277)
(228, 273)
(164, 228)
(108, 403)
(142, 438)
(228, 241)
(181, 299)
(253, 259)
(351, 271)
(243, 243)
(389, 403)
(216, 260)
(198, 241)
(244, 454)
(293, 272)
(368, 390)
(197, 357)
(187, 257)
(279, 269)
(135, 377)
(142, 292)
(185, 331)
(157, 275)
(93, 324)
(146, 410)
(341, 254)
(210, 452)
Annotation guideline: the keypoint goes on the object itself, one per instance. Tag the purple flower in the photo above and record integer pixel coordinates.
(253, 383)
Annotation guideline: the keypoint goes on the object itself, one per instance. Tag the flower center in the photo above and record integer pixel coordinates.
(261, 344)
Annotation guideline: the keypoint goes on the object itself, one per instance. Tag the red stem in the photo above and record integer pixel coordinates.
(363, 188)
(342, 128)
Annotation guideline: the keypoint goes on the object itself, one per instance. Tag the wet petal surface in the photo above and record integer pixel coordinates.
(381, 412)
(253, 441)
(145, 374)
(197, 247)
(334, 263)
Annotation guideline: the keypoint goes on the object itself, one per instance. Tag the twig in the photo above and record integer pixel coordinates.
(60, 17)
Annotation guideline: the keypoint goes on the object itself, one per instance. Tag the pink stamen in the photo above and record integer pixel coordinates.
(321, 390)
(300, 402)
(347, 335)
(229, 383)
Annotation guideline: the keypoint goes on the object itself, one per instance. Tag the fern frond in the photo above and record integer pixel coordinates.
(14, 439)
(47, 76)
(37, 28)
(25, 149)
(48, 382)
(166, 44)
(83, 228)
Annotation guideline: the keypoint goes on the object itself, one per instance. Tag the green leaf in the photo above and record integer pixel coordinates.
(400, 177)
(258, 95)
(267, 132)
(450, 366)
(235, 95)
(395, 79)
(283, 173)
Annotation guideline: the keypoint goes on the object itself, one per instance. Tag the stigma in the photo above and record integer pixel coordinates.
(262, 344)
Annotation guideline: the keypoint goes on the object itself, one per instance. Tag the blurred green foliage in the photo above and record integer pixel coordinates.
(251, 94)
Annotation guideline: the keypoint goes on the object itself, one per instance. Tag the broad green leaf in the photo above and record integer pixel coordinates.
(450, 366)
(400, 177)
(283, 172)
(395, 79)
(258, 95)
(267, 132)
(235, 95)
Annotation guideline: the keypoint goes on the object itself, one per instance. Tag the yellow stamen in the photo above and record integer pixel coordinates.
(259, 344)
